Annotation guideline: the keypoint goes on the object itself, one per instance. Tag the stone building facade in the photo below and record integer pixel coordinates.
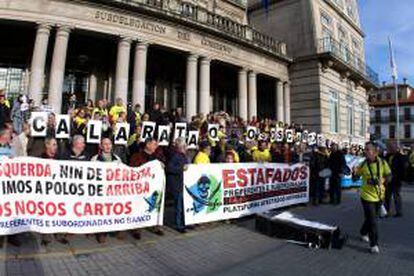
(329, 77)
(200, 55)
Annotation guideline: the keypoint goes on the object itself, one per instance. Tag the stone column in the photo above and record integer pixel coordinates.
(279, 101)
(204, 85)
(252, 95)
(243, 94)
(191, 86)
(286, 94)
(57, 73)
(140, 72)
(93, 86)
(37, 68)
(122, 69)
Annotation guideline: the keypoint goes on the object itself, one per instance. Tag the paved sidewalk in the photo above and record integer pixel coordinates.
(226, 249)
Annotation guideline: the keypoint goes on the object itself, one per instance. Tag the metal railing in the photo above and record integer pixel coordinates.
(330, 45)
(199, 15)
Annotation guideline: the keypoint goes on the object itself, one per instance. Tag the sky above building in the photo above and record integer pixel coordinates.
(394, 18)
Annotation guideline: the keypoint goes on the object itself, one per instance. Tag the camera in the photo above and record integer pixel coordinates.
(373, 182)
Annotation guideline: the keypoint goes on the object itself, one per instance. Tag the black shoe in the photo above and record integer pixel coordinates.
(13, 240)
(136, 235)
(181, 230)
(190, 227)
(398, 215)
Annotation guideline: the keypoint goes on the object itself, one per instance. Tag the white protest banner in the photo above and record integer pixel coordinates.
(147, 130)
(193, 136)
(321, 141)
(121, 133)
(279, 134)
(94, 132)
(51, 196)
(180, 130)
(62, 129)
(289, 135)
(298, 137)
(38, 124)
(224, 191)
(164, 135)
(251, 133)
(311, 138)
(213, 131)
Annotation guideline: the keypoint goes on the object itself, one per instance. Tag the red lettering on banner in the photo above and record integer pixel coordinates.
(25, 170)
(277, 177)
(286, 175)
(130, 174)
(242, 178)
(303, 172)
(260, 177)
(101, 209)
(295, 174)
(252, 172)
(127, 189)
(228, 178)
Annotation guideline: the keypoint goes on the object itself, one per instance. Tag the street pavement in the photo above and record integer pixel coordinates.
(225, 248)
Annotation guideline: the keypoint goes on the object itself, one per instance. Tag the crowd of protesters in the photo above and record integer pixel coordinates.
(327, 164)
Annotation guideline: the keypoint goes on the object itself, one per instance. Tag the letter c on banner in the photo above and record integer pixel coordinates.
(38, 124)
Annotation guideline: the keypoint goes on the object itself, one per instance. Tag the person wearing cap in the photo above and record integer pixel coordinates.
(4, 109)
(203, 154)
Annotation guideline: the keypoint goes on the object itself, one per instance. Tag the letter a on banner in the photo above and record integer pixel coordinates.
(311, 138)
(164, 135)
(279, 134)
(94, 132)
(62, 126)
(180, 130)
(121, 133)
(289, 135)
(192, 142)
(251, 133)
(38, 124)
(147, 130)
(213, 131)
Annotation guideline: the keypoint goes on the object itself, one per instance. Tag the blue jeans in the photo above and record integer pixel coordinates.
(179, 212)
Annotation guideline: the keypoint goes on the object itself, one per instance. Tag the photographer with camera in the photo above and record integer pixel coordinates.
(375, 174)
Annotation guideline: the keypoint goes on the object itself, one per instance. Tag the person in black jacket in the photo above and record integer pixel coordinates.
(337, 165)
(398, 169)
(4, 110)
(175, 180)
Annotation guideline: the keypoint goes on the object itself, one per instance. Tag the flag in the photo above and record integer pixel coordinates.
(392, 60)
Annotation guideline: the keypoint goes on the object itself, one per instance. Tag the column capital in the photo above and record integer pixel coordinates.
(252, 73)
(141, 46)
(125, 39)
(286, 82)
(63, 28)
(205, 60)
(192, 57)
(44, 26)
(243, 70)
